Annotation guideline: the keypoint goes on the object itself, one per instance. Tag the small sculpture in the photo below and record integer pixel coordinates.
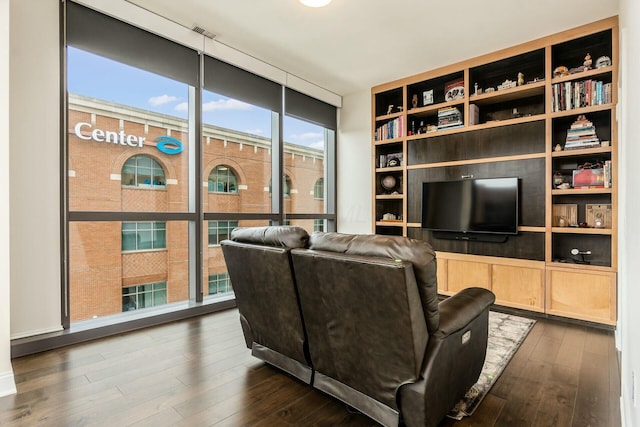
(587, 62)
(390, 109)
(414, 101)
(558, 147)
(520, 79)
(560, 71)
(603, 61)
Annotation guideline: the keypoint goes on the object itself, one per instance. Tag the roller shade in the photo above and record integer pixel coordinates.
(228, 80)
(105, 36)
(310, 109)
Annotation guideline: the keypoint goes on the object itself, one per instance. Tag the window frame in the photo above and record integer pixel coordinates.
(155, 165)
(217, 278)
(152, 230)
(229, 227)
(152, 292)
(230, 172)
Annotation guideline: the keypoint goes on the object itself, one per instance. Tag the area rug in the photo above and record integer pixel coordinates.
(506, 333)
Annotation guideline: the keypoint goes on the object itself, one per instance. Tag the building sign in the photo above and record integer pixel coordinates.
(168, 144)
(165, 144)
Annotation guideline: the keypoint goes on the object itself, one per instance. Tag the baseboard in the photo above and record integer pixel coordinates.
(7, 384)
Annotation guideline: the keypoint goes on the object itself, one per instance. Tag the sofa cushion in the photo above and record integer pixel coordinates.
(418, 252)
(279, 236)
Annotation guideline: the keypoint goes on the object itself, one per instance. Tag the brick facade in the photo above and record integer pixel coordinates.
(98, 267)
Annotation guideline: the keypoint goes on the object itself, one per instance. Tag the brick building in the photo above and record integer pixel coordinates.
(121, 161)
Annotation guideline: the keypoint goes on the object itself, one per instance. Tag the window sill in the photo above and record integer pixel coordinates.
(87, 330)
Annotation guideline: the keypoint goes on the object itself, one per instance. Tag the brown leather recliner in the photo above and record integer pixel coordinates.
(358, 317)
(379, 339)
(259, 266)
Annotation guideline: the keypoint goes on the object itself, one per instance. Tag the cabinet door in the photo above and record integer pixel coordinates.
(467, 274)
(518, 287)
(582, 295)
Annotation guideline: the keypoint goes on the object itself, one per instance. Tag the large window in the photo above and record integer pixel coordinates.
(140, 236)
(143, 171)
(144, 296)
(239, 150)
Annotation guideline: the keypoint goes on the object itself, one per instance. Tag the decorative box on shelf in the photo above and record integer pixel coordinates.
(598, 216)
(564, 214)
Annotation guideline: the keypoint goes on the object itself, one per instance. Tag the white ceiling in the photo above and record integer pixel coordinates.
(352, 45)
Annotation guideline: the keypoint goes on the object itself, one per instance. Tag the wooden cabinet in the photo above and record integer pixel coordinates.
(516, 112)
(582, 295)
(516, 283)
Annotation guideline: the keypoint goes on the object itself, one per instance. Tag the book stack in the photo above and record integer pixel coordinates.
(448, 118)
(581, 134)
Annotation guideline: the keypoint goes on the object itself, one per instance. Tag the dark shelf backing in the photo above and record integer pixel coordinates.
(530, 172)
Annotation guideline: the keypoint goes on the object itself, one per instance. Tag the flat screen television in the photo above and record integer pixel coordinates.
(471, 209)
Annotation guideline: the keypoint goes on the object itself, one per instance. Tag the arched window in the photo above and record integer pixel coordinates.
(318, 189)
(287, 187)
(142, 171)
(222, 179)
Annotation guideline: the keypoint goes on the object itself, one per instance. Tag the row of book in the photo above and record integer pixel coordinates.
(449, 117)
(586, 93)
(392, 129)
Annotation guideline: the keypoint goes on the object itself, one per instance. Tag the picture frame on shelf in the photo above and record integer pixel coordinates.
(427, 97)
(588, 178)
(390, 160)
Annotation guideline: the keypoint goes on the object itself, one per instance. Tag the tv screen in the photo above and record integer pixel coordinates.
(471, 206)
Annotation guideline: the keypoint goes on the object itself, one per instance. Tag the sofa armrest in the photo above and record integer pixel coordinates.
(453, 360)
(459, 310)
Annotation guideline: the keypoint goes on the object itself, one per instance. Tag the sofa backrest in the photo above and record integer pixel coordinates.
(259, 265)
(365, 323)
(419, 253)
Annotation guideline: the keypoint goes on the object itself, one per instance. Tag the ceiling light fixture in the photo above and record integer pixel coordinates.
(315, 3)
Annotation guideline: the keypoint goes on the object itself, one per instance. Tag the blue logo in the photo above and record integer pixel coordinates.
(168, 145)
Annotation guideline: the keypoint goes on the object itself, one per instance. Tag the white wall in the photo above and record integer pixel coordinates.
(354, 164)
(629, 247)
(7, 383)
(35, 168)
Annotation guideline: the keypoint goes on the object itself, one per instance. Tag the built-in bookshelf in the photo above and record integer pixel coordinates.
(544, 111)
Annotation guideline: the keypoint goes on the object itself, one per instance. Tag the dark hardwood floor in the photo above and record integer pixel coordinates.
(198, 372)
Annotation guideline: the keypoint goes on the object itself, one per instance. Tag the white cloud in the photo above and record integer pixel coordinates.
(306, 136)
(183, 106)
(254, 131)
(225, 105)
(319, 145)
(162, 99)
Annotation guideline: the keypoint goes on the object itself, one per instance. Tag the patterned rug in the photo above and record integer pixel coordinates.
(506, 333)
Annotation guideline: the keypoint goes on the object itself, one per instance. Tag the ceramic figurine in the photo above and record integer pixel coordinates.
(520, 79)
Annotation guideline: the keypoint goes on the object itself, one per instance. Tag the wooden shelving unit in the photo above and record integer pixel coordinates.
(516, 134)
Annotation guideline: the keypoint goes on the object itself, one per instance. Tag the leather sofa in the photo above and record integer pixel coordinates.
(374, 333)
(259, 265)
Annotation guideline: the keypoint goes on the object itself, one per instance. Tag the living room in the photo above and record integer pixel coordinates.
(27, 195)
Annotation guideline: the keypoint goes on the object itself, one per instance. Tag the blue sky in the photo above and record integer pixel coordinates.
(98, 77)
